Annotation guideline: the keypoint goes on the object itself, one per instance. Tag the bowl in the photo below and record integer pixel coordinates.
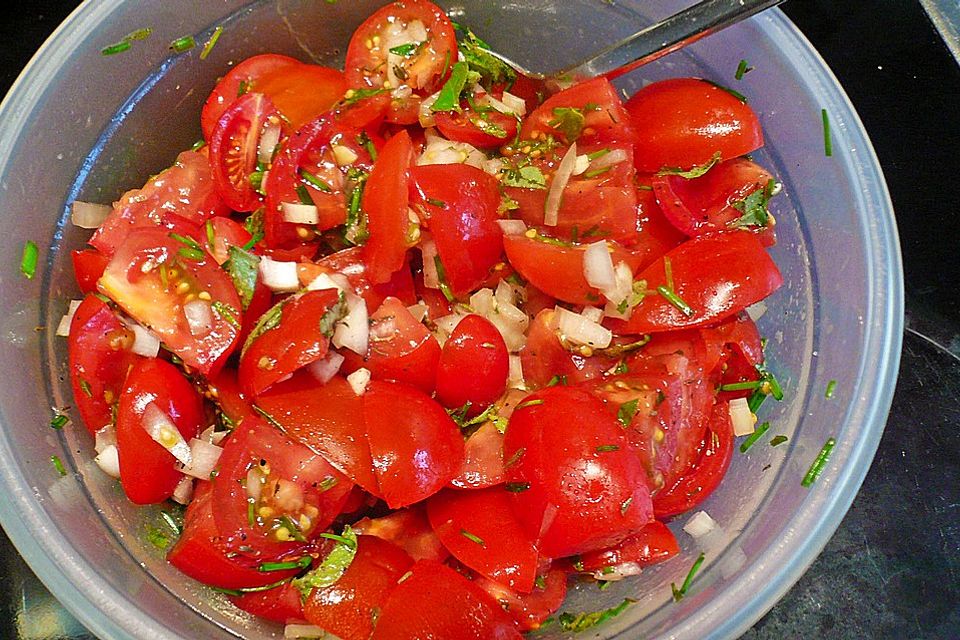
(81, 125)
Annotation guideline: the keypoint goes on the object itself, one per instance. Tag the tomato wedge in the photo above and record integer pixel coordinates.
(349, 263)
(401, 348)
(385, 201)
(281, 604)
(473, 365)
(484, 129)
(88, 266)
(482, 459)
(544, 356)
(529, 610)
(654, 543)
(407, 528)
(302, 92)
(599, 115)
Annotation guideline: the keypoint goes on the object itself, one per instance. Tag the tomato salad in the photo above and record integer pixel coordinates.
(421, 341)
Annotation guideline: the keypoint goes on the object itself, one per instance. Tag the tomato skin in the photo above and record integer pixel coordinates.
(576, 496)
(469, 240)
(544, 356)
(460, 126)
(529, 610)
(683, 122)
(474, 365)
(652, 544)
(226, 233)
(407, 528)
(415, 445)
(99, 352)
(657, 235)
(349, 263)
(717, 274)
(401, 348)
(281, 605)
(437, 603)
(347, 608)
(505, 553)
(385, 201)
(148, 472)
(482, 459)
(88, 266)
(302, 92)
(608, 122)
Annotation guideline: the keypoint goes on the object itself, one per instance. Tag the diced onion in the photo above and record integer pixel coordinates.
(516, 104)
(211, 435)
(325, 368)
(293, 631)
(298, 213)
(105, 437)
(614, 156)
(199, 315)
(279, 276)
(483, 302)
(326, 281)
(756, 310)
(431, 279)
(353, 330)
(88, 215)
(582, 164)
(269, 140)
(580, 330)
(426, 115)
(622, 290)
(359, 380)
(183, 492)
(598, 265)
(742, 418)
(164, 432)
(203, 458)
(493, 166)
(419, 311)
(515, 375)
(443, 151)
(592, 313)
(487, 100)
(513, 227)
(63, 329)
(506, 293)
(700, 524)
(109, 461)
(551, 207)
(145, 343)
(344, 155)
(618, 572)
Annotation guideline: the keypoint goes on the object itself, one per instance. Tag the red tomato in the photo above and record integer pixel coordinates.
(481, 531)
(482, 459)
(88, 266)
(225, 233)
(348, 608)
(401, 348)
(281, 604)
(349, 262)
(153, 279)
(100, 356)
(704, 204)
(225, 390)
(717, 275)
(260, 303)
(148, 471)
(586, 485)
(409, 529)
(460, 203)
(242, 78)
(185, 191)
(544, 356)
(234, 146)
(302, 92)
(485, 130)
(654, 543)
(370, 64)
(656, 236)
(385, 201)
(596, 100)
(416, 447)
(685, 121)
(294, 333)
(273, 495)
(327, 418)
(529, 610)
(436, 603)
(473, 365)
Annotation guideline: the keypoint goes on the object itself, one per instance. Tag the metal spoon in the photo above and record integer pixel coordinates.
(657, 40)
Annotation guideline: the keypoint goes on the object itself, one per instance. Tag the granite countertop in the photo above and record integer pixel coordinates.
(892, 570)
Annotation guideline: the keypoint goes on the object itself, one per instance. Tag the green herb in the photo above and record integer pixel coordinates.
(515, 458)
(287, 523)
(777, 441)
(333, 315)
(267, 322)
(695, 171)
(593, 173)
(583, 621)
(472, 538)
(437, 203)
(754, 207)
(540, 583)
(303, 195)
(622, 367)
(28, 261)
(819, 463)
(211, 234)
(158, 538)
(442, 278)
(488, 67)
(243, 87)
(227, 312)
(59, 421)
(355, 229)
(302, 563)
(625, 505)
(405, 50)
(742, 69)
(599, 153)
(449, 98)
(183, 44)
(557, 379)
(682, 591)
(254, 226)
(327, 483)
(173, 520)
(736, 94)
(251, 511)
(342, 539)
(831, 387)
(741, 386)
(191, 249)
(604, 448)
(58, 465)
(771, 385)
(315, 182)
(527, 177)
(199, 144)
(755, 401)
(827, 140)
(243, 267)
(626, 412)
(332, 567)
(243, 590)
(577, 562)
(207, 48)
(753, 437)
(516, 487)
(603, 585)
(353, 96)
(569, 121)
(114, 49)
(85, 387)
(529, 403)
(676, 301)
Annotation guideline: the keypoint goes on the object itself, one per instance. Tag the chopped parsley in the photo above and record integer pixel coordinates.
(569, 121)
(626, 412)
(527, 177)
(583, 621)
(754, 207)
(254, 226)
(332, 567)
(818, 463)
(333, 315)
(476, 53)
(682, 591)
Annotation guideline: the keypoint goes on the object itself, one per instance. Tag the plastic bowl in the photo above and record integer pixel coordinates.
(81, 125)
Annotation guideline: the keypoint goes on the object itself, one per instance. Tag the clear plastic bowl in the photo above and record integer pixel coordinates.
(81, 125)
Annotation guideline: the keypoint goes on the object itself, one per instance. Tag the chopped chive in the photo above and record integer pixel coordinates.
(442, 277)
(287, 523)
(742, 68)
(626, 412)
(831, 387)
(437, 203)
(603, 585)
(189, 253)
(516, 487)
(604, 448)
(59, 421)
(682, 591)
(599, 153)
(625, 505)
(471, 537)
(753, 437)
(777, 441)
(327, 483)
(85, 387)
(302, 563)
(593, 173)
(586, 620)
(676, 301)
(58, 465)
(406, 49)
(557, 379)
(211, 234)
(251, 511)
(171, 522)
(207, 48)
(28, 262)
(748, 385)
(736, 94)
(756, 400)
(819, 463)
(341, 539)
(243, 590)
(303, 195)
(668, 272)
(515, 458)
(315, 181)
(827, 141)
(114, 49)
(529, 403)
(199, 144)
(183, 44)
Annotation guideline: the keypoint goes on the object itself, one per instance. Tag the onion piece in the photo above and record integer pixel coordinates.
(551, 207)
(442, 151)
(580, 330)
(742, 418)
(756, 310)
(280, 277)
(515, 375)
(582, 164)
(592, 313)
(294, 630)
(419, 311)
(325, 368)
(203, 458)
(618, 572)
(493, 166)
(269, 140)
(105, 437)
(109, 461)
(328, 281)
(164, 432)
(598, 266)
(298, 213)
(431, 279)
(614, 156)
(513, 227)
(359, 380)
(425, 115)
(516, 104)
(620, 292)
(63, 329)
(88, 215)
(199, 315)
(700, 524)
(344, 155)
(183, 492)
(211, 435)
(353, 330)
(145, 343)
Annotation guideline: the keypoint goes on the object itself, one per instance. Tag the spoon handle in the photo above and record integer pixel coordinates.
(668, 35)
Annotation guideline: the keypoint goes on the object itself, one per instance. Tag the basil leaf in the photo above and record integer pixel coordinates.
(449, 98)
(695, 171)
(569, 121)
(528, 177)
(243, 267)
(333, 315)
(332, 567)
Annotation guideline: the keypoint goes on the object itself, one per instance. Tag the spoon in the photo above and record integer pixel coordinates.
(655, 41)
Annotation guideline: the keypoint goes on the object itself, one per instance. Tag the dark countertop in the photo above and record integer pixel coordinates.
(892, 570)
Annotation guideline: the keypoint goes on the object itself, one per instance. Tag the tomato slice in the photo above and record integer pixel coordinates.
(602, 117)
(148, 471)
(683, 122)
(481, 531)
(482, 459)
(302, 92)
(407, 528)
(657, 235)
(460, 203)
(349, 263)
(415, 445)
(225, 233)
(234, 146)
(401, 348)
(584, 485)
(154, 278)
(486, 129)
(88, 266)
(373, 61)
(437, 602)
(717, 275)
(529, 610)
(544, 356)
(473, 365)
(100, 356)
(385, 201)
(348, 608)
(654, 543)
(281, 604)
(292, 334)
